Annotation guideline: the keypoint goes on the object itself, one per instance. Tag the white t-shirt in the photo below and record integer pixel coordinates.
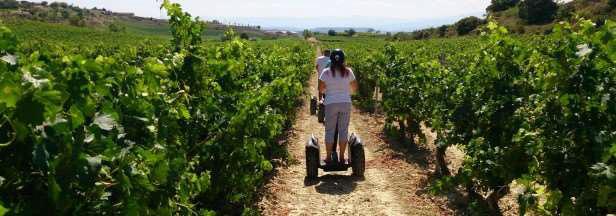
(338, 89)
(322, 63)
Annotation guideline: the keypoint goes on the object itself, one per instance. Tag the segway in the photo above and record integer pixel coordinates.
(356, 160)
(317, 109)
(313, 105)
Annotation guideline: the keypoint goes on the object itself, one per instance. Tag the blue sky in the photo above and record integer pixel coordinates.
(305, 12)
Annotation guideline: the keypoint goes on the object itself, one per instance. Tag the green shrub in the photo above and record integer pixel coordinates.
(350, 32)
(501, 5)
(244, 36)
(307, 33)
(538, 11)
(77, 21)
(442, 31)
(115, 27)
(468, 24)
(565, 12)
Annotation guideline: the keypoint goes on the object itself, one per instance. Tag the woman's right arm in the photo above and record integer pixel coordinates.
(354, 86)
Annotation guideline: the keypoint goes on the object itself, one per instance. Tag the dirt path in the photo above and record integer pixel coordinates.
(393, 184)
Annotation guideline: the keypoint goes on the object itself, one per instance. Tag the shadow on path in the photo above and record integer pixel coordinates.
(334, 184)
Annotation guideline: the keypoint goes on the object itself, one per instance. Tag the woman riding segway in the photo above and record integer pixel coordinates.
(338, 83)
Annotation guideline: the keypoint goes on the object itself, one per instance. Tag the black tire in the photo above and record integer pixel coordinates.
(313, 105)
(358, 160)
(321, 113)
(312, 162)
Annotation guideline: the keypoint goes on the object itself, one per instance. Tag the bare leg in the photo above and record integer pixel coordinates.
(330, 126)
(329, 148)
(343, 146)
(344, 121)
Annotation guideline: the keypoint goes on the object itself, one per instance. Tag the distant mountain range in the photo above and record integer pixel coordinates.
(323, 24)
(340, 29)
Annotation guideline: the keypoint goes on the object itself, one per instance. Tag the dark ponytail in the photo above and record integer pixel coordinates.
(341, 67)
(337, 58)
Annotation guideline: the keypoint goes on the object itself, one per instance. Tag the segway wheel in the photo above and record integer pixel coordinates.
(312, 158)
(358, 159)
(313, 105)
(321, 113)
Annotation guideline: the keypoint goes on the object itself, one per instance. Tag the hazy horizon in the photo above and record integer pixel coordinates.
(385, 15)
(377, 23)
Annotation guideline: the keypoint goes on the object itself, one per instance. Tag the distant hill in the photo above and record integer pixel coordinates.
(596, 10)
(59, 12)
(509, 17)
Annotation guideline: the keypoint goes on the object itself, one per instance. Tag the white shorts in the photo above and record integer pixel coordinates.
(337, 113)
